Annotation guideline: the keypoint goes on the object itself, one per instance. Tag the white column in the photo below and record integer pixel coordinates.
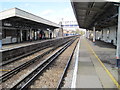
(118, 38)
(102, 35)
(54, 33)
(27, 34)
(21, 35)
(49, 33)
(88, 34)
(35, 35)
(30, 34)
(93, 34)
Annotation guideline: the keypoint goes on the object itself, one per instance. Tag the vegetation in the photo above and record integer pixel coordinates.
(78, 31)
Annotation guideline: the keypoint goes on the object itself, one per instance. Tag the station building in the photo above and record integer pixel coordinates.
(19, 26)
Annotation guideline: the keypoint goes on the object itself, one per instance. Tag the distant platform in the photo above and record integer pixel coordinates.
(18, 45)
(23, 44)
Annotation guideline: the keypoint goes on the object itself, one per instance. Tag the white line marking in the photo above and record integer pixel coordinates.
(73, 85)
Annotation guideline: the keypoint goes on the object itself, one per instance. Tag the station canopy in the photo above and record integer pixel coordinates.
(99, 14)
(17, 18)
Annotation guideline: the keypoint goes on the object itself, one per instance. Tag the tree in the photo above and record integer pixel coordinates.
(78, 31)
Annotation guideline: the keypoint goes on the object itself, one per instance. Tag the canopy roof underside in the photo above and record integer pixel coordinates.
(98, 14)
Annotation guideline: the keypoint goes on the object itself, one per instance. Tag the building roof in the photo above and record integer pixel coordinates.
(98, 14)
(15, 12)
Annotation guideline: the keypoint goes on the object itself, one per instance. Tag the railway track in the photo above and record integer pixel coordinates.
(14, 71)
(25, 55)
(60, 84)
(22, 56)
(26, 82)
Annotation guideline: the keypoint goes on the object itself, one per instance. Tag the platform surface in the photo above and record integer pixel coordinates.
(17, 45)
(23, 44)
(91, 74)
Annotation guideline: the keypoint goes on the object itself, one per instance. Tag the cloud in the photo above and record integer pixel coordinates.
(47, 12)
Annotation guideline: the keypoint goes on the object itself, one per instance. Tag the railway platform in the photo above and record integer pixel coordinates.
(93, 69)
(24, 44)
(19, 45)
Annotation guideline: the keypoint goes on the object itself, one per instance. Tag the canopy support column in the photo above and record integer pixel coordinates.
(118, 41)
(94, 34)
(31, 34)
(88, 34)
(21, 38)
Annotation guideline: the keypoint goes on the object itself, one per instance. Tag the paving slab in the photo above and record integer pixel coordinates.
(90, 73)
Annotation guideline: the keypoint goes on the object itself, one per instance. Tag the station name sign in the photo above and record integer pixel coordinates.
(70, 25)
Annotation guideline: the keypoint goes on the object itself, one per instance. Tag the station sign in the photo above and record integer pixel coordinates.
(70, 25)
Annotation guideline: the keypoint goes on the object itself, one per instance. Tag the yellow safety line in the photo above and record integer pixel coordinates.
(108, 72)
(4, 70)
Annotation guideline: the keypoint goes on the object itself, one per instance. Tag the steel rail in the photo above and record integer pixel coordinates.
(26, 82)
(9, 74)
(66, 69)
(22, 56)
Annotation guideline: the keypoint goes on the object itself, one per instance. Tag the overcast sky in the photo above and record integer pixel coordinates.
(53, 11)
